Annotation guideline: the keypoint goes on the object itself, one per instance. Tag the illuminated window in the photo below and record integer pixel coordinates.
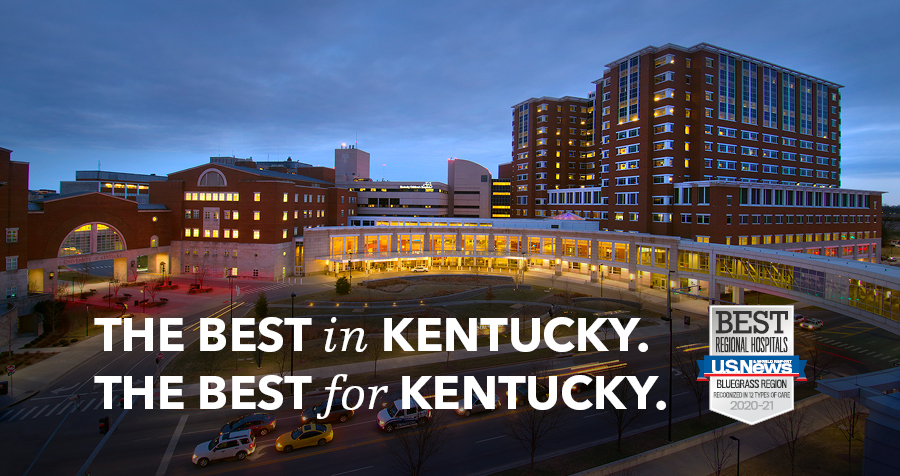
(256, 215)
(256, 196)
(255, 234)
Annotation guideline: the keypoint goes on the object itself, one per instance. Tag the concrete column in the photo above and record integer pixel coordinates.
(595, 257)
(737, 295)
(632, 265)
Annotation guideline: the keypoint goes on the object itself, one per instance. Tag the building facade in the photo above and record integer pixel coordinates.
(677, 131)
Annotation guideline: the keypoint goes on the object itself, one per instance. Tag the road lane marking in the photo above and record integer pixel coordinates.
(167, 457)
(39, 411)
(26, 414)
(201, 431)
(15, 415)
(593, 415)
(64, 408)
(100, 403)
(88, 404)
(352, 471)
(489, 439)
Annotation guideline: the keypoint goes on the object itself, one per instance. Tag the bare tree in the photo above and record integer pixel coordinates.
(282, 356)
(154, 287)
(115, 285)
(640, 296)
(787, 429)
(82, 277)
(530, 428)
(718, 451)
(817, 358)
(374, 350)
(489, 295)
(686, 364)
(210, 362)
(621, 418)
(414, 449)
(8, 329)
(200, 272)
(847, 419)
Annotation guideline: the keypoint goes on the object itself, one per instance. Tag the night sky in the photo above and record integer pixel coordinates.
(156, 87)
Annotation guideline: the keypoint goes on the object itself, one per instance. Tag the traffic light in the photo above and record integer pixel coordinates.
(4, 388)
(104, 425)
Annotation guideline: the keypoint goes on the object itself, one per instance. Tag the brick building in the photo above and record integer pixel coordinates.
(702, 143)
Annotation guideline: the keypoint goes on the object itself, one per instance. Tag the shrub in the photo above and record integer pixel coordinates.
(342, 286)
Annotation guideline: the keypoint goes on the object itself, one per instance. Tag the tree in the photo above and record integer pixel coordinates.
(718, 451)
(530, 428)
(154, 288)
(845, 415)
(52, 310)
(414, 449)
(8, 329)
(200, 273)
(342, 286)
(84, 274)
(283, 354)
(686, 365)
(890, 230)
(817, 358)
(621, 418)
(210, 362)
(787, 430)
(489, 295)
(374, 350)
(261, 307)
(115, 285)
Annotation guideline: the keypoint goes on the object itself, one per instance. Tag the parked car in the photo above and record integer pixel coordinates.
(477, 406)
(337, 413)
(307, 435)
(812, 324)
(798, 318)
(260, 424)
(395, 416)
(236, 444)
(419, 269)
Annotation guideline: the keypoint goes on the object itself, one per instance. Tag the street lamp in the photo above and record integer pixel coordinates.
(738, 454)
(109, 293)
(52, 290)
(87, 308)
(350, 265)
(231, 309)
(669, 318)
(293, 295)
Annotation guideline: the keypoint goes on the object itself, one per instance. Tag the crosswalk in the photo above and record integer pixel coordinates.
(257, 289)
(825, 339)
(84, 405)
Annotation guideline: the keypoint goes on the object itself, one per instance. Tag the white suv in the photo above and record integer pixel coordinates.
(237, 444)
(395, 416)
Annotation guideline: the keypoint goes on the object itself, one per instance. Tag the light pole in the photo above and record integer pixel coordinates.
(231, 309)
(52, 290)
(87, 308)
(109, 293)
(669, 318)
(293, 295)
(738, 454)
(350, 265)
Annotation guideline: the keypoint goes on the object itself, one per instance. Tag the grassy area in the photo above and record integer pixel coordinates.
(394, 375)
(821, 453)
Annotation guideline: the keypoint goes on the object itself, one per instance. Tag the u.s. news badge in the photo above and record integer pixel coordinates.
(751, 367)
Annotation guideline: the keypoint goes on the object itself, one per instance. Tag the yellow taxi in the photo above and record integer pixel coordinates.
(308, 435)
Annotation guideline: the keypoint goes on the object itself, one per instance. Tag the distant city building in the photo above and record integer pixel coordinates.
(118, 184)
(500, 192)
(467, 193)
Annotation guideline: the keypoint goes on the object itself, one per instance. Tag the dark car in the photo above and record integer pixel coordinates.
(260, 424)
(337, 413)
(582, 387)
(521, 394)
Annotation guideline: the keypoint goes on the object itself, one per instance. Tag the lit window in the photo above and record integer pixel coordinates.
(256, 215)
(255, 234)
(256, 196)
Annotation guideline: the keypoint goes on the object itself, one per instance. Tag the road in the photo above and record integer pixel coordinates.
(156, 442)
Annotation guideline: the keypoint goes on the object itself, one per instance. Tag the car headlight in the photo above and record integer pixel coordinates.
(278, 445)
(459, 410)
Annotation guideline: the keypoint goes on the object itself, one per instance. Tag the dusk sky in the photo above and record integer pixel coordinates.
(158, 87)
